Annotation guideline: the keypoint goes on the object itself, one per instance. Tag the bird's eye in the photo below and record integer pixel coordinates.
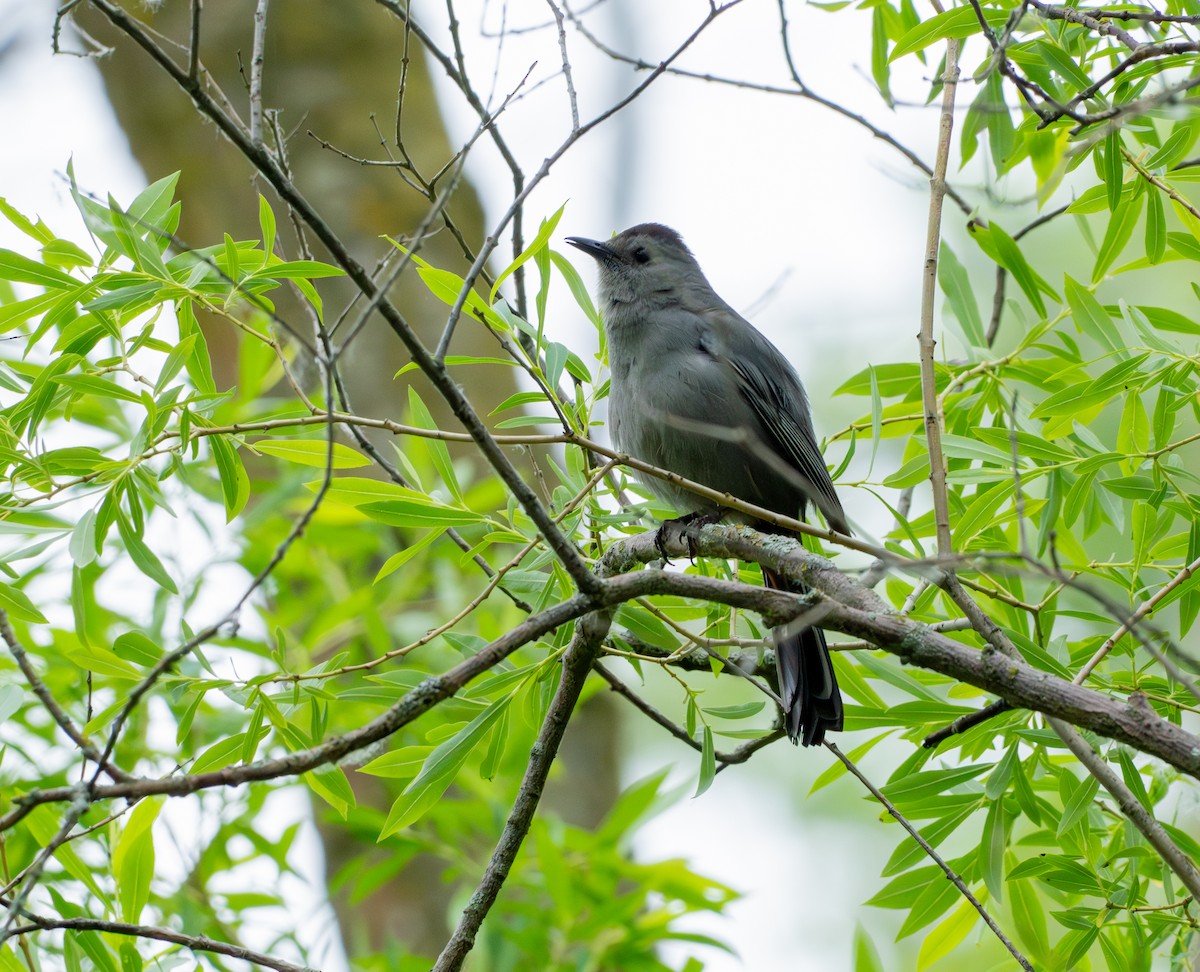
(641, 255)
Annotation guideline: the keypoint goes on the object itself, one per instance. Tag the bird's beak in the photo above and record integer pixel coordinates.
(601, 251)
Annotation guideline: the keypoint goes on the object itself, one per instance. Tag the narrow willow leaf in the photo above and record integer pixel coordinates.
(439, 770)
(577, 287)
(1112, 168)
(266, 222)
(135, 647)
(539, 242)
(133, 858)
(312, 452)
(956, 285)
(331, 785)
(947, 935)
(997, 782)
(17, 603)
(399, 559)
(1156, 228)
(420, 511)
(143, 557)
(708, 763)
(21, 269)
(1002, 248)
(1120, 229)
(958, 22)
(866, 956)
(1133, 434)
(1029, 916)
(235, 483)
(992, 847)
(879, 54)
(1077, 804)
(1091, 317)
(438, 453)
(743, 711)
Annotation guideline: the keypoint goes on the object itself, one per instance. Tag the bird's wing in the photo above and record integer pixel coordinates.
(787, 429)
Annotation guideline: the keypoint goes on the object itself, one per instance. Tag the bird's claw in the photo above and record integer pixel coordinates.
(685, 525)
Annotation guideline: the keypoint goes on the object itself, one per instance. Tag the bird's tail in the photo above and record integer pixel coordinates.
(812, 703)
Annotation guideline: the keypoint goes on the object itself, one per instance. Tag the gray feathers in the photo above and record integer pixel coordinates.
(698, 391)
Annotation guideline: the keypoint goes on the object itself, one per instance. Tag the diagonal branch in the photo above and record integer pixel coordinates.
(577, 661)
(915, 834)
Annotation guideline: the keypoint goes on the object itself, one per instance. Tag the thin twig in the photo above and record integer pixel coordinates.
(64, 721)
(566, 63)
(195, 943)
(929, 396)
(915, 834)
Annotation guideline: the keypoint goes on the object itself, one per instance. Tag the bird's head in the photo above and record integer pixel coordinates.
(647, 263)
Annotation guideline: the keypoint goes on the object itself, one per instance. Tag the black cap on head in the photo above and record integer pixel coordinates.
(656, 231)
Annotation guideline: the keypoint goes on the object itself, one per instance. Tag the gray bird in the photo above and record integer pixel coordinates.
(698, 391)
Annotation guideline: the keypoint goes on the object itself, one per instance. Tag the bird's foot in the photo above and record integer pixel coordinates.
(686, 525)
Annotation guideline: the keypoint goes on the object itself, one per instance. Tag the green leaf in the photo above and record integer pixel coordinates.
(958, 22)
(440, 769)
(331, 785)
(133, 858)
(142, 556)
(1078, 804)
(953, 279)
(235, 484)
(997, 782)
(1174, 148)
(1029, 917)
(1092, 318)
(225, 752)
(295, 270)
(312, 452)
(879, 54)
(135, 647)
(95, 385)
(266, 222)
(947, 935)
(398, 560)
(16, 602)
(1133, 434)
(1113, 168)
(39, 231)
(421, 417)
(577, 287)
(1120, 229)
(420, 511)
(866, 956)
(743, 711)
(1156, 228)
(708, 763)
(539, 242)
(1002, 248)
(934, 901)
(918, 786)
(21, 269)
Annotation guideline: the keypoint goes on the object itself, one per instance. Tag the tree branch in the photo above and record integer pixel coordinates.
(577, 661)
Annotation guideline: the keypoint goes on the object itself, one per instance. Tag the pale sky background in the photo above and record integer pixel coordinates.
(791, 210)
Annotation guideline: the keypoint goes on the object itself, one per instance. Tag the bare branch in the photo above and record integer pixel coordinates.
(196, 943)
(578, 659)
(929, 396)
(1130, 806)
(256, 71)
